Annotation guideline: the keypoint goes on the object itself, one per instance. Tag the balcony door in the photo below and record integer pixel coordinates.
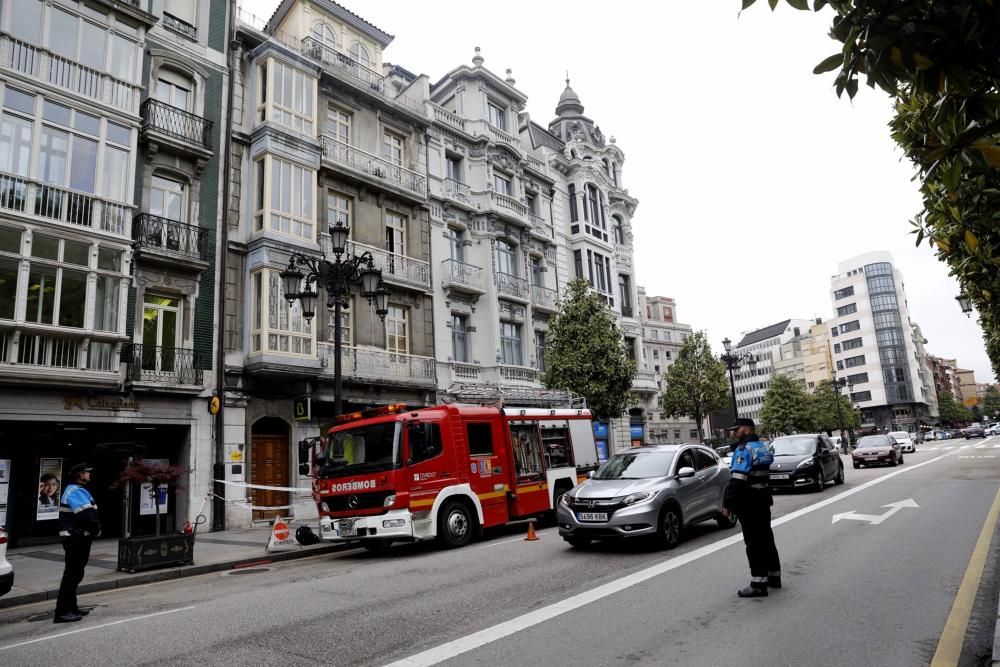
(167, 206)
(397, 334)
(174, 90)
(395, 241)
(160, 334)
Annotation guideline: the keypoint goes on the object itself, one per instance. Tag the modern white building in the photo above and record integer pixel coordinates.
(876, 346)
(764, 345)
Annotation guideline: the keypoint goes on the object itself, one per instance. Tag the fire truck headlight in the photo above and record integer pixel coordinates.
(390, 500)
(323, 507)
(394, 523)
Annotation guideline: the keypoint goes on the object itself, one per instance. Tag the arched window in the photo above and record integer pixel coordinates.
(175, 89)
(324, 35)
(360, 55)
(614, 173)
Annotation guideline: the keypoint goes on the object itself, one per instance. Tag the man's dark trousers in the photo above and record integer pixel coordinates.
(755, 518)
(77, 548)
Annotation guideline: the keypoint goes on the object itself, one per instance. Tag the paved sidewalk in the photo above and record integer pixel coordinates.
(38, 569)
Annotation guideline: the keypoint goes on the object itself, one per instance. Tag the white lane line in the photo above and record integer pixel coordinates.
(496, 544)
(94, 627)
(471, 642)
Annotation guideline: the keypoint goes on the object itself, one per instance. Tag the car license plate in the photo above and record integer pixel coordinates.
(592, 516)
(779, 476)
(346, 528)
(871, 458)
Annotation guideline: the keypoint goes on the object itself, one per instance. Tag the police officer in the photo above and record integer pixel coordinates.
(748, 496)
(79, 524)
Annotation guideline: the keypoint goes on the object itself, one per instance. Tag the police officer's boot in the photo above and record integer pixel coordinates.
(754, 590)
(67, 617)
(774, 580)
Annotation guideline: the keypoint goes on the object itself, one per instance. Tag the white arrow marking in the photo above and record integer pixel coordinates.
(876, 519)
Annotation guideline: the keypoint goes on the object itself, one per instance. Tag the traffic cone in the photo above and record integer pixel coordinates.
(531, 532)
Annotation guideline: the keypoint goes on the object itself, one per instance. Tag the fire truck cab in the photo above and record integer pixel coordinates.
(445, 472)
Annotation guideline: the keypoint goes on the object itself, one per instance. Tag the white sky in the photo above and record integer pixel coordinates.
(753, 179)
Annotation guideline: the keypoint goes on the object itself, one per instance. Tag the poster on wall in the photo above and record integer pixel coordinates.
(49, 488)
(4, 471)
(147, 504)
(3, 502)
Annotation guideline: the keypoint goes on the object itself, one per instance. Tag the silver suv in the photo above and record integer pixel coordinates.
(652, 491)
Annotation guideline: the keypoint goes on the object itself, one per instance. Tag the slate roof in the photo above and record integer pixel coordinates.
(764, 334)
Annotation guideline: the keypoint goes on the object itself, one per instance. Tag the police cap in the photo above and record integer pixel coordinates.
(742, 421)
(78, 468)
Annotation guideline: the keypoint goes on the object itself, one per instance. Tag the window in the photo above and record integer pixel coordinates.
(881, 285)
(506, 258)
(15, 144)
(884, 302)
(618, 229)
(276, 326)
(540, 350)
(596, 210)
(625, 294)
(173, 89)
(497, 116)
(852, 344)
(115, 174)
(858, 378)
(26, 22)
(160, 318)
(531, 201)
(480, 438)
(338, 209)
(887, 319)
(527, 454)
(395, 238)
(123, 53)
(703, 458)
(456, 244)
(107, 296)
(292, 103)
(397, 335)
(258, 197)
(346, 328)
(181, 9)
(290, 197)
(859, 396)
(166, 199)
(836, 348)
(360, 55)
(510, 344)
(574, 214)
(392, 148)
(693, 433)
(844, 293)
(847, 310)
(323, 34)
(889, 337)
(851, 362)
(850, 326)
(338, 128)
(424, 440)
(614, 173)
(459, 338)
(503, 185)
(536, 271)
(454, 166)
(601, 277)
(56, 294)
(578, 263)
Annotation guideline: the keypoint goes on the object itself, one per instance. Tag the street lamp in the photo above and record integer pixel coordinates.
(734, 361)
(839, 384)
(336, 278)
(964, 302)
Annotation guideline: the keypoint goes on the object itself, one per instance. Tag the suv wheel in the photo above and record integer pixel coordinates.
(669, 530)
(820, 480)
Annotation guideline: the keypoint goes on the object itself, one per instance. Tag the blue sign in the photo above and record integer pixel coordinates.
(600, 429)
(602, 450)
(635, 432)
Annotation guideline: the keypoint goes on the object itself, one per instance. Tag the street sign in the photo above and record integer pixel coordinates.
(302, 409)
(876, 519)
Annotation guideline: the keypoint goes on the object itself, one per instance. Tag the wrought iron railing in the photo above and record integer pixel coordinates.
(365, 363)
(512, 285)
(544, 297)
(162, 365)
(61, 204)
(455, 272)
(396, 268)
(170, 236)
(343, 64)
(176, 123)
(183, 27)
(380, 168)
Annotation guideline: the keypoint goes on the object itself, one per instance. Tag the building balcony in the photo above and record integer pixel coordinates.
(154, 366)
(456, 191)
(458, 276)
(170, 241)
(543, 298)
(539, 227)
(448, 118)
(644, 381)
(344, 67)
(42, 65)
(374, 169)
(38, 355)
(183, 131)
(58, 204)
(508, 206)
(512, 286)
(179, 26)
(376, 366)
(519, 375)
(465, 372)
(397, 269)
(501, 137)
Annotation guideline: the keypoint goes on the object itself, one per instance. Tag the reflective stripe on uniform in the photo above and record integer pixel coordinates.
(758, 580)
(739, 475)
(84, 507)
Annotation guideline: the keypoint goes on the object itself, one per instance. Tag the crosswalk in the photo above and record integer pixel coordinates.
(986, 444)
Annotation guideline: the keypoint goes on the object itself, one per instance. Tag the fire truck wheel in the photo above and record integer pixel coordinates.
(455, 524)
(376, 546)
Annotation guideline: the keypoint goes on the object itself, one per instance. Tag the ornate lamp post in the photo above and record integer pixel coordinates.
(965, 303)
(734, 361)
(336, 278)
(839, 384)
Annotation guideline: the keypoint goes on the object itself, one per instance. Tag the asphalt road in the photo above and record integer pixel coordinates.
(855, 593)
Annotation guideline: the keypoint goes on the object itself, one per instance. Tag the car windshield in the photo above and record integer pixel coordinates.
(363, 449)
(873, 441)
(899, 435)
(635, 465)
(794, 446)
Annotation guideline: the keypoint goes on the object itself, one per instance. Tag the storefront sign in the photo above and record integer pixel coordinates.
(600, 429)
(112, 403)
(49, 487)
(635, 432)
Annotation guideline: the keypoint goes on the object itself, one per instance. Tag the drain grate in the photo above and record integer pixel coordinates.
(249, 570)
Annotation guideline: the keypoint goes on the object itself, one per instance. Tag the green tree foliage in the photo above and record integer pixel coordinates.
(952, 412)
(991, 402)
(940, 62)
(787, 407)
(824, 409)
(585, 353)
(696, 382)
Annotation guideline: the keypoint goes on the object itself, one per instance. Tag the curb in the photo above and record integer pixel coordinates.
(996, 640)
(176, 573)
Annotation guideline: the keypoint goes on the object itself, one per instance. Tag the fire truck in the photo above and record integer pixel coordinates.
(444, 472)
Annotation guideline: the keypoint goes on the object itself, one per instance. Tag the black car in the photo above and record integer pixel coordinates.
(974, 431)
(805, 460)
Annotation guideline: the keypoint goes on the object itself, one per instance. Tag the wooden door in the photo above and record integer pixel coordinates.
(269, 466)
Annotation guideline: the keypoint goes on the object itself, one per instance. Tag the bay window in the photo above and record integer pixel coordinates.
(283, 198)
(289, 93)
(277, 327)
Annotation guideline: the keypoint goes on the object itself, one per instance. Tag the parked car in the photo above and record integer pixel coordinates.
(6, 569)
(652, 491)
(974, 431)
(904, 439)
(993, 430)
(877, 450)
(805, 460)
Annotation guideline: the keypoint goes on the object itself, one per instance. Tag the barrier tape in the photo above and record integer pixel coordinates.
(289, 489)
(254, 507)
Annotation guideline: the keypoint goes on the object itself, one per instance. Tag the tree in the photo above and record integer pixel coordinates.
(991, 402)
(696, 383)
(951, 412)
(150, 476)
(585, 353)
(787, 407)
(940, 62)
(824, 409)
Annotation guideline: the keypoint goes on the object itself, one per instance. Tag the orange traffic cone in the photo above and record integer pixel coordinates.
(531, 532)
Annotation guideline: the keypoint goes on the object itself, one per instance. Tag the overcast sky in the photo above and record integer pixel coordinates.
(753, 179)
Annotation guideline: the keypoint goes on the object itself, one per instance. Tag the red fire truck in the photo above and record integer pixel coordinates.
(444, 472)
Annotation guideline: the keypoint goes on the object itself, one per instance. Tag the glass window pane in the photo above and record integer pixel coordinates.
(109, 259)
(26, 22)
(76, 253)
(63, 28)
(56, 113)
(15, 145)
(115, 174)
(8, 287)
(15, 99)
(73, 298)
(52, 156)
(10, 240)
(41, 294)
(87, 123)
(83, 170)
(117, 133)
(46, 247)
(123, 58)
(93, 39)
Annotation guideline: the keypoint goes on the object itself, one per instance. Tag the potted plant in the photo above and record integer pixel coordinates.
(158, 550)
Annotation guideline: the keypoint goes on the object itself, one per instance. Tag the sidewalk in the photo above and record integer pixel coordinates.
(38, 569)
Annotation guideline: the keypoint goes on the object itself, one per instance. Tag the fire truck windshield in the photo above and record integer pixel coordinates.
(364, 449)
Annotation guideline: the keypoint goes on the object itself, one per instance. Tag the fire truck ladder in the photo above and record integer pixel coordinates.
(525, 397)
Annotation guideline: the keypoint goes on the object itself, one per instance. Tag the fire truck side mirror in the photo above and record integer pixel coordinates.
(303, 452)
(303, 468)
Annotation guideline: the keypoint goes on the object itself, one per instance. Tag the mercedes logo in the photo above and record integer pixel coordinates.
(353, 502)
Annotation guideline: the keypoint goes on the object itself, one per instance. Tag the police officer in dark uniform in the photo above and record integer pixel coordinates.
(79, 524)
(748, 496)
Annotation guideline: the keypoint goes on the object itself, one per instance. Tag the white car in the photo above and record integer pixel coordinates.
(6, 569)
(904, 439)
(993, 430)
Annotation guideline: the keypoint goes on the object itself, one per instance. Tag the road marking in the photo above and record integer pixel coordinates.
(95, 627)
(496, 544)
(979, 456)
(449, 650)
(876, 519)
(949, 648)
